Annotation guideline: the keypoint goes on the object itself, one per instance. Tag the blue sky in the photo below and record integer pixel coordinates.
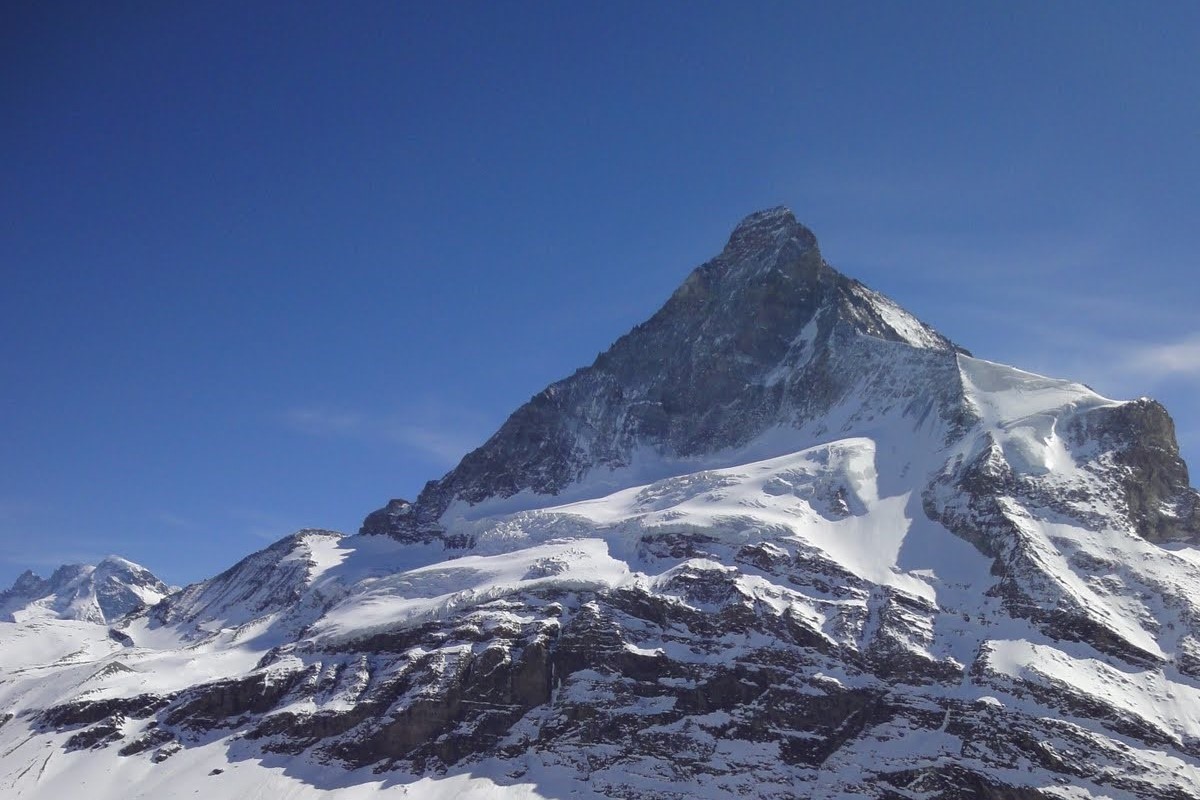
(267, 265)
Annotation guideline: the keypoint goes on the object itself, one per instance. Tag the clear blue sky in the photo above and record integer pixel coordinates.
(266, 265)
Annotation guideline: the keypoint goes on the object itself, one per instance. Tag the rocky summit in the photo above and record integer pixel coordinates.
(781, 540)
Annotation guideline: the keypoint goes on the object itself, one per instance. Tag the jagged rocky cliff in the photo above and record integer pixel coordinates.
(781, 540)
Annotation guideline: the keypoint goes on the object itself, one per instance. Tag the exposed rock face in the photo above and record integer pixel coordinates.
(782, 540)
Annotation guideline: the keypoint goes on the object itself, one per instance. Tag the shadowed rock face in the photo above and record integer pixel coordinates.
(749, 341)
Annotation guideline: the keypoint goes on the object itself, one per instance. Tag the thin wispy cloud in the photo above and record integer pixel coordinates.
(1019, 266)
(1134, 369)
(903, 187)
(1159, 361)
(438, 433)
(323, 422)
(443, 444)
(176, 521)
(263, 525)
(1109, 363)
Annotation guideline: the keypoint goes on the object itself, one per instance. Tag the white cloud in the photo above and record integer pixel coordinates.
(173, 520)
(442, 434)
(1166, 359)
(444, 444)
(321, 422)
(263, 525)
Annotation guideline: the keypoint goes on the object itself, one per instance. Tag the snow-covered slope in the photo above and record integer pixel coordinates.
(887, 569)
(274, 584)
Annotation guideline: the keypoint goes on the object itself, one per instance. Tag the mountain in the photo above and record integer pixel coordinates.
(781, 540)
(101, 593)
(765, 336)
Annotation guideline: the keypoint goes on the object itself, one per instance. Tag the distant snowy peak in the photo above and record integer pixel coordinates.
(102, 593)
(765, 335)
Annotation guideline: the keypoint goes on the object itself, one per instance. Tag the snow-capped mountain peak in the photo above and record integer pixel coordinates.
(100, 593)
(767, 335)
(782, 539)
